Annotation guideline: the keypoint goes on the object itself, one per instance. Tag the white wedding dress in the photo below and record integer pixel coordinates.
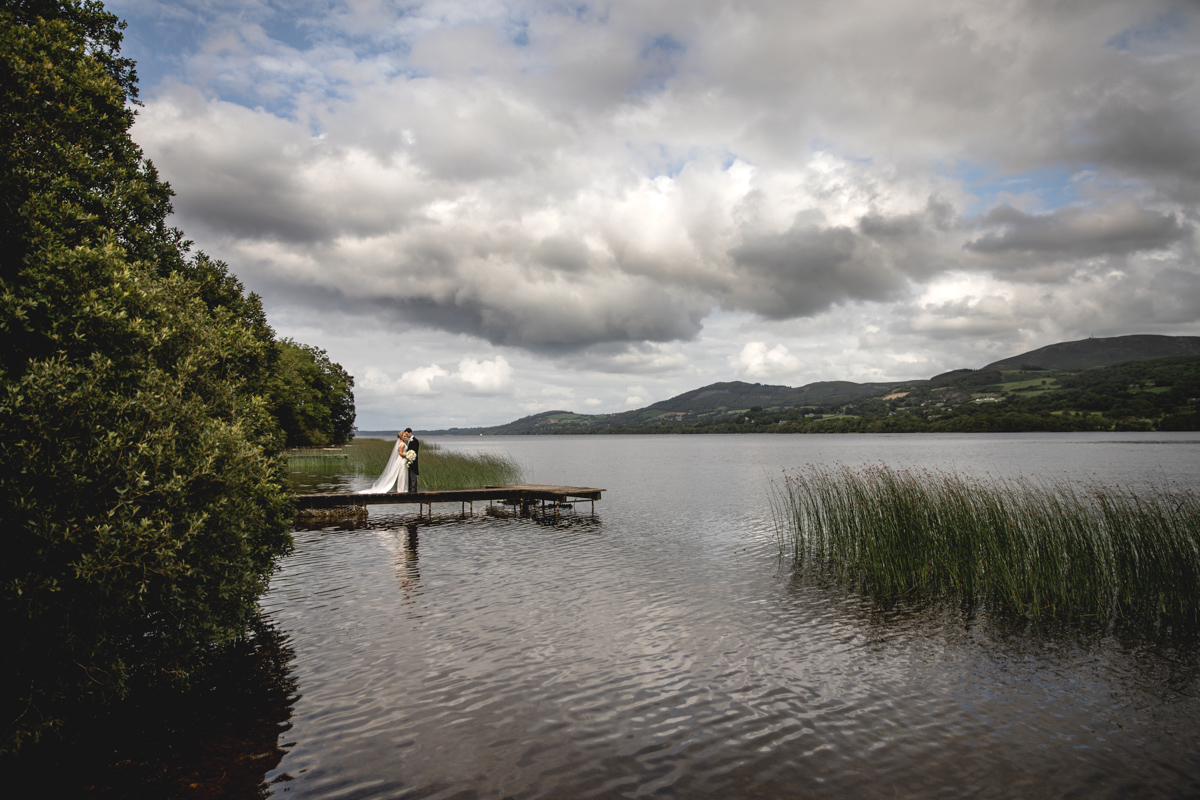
(395, 475)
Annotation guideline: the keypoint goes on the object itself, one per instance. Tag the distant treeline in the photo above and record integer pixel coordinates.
(1153, 394)
(969, 420)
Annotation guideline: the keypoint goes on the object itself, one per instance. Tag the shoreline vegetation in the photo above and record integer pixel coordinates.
(441, 469)
(1034, 548)
(145, 401)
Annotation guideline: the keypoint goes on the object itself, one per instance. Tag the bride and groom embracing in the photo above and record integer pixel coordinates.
(402, 467)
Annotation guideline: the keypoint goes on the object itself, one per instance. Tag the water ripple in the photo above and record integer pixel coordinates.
(658, 649)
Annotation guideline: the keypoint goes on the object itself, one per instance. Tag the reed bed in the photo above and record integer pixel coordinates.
(445, 469)
(1034, 547)
(440, 468)
(316, 453)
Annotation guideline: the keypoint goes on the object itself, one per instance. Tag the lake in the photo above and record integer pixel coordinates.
(660, 648)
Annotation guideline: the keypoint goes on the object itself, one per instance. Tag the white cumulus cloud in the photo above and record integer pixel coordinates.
(474, 376)
(421, 380)
(756, 361)
(486, 377)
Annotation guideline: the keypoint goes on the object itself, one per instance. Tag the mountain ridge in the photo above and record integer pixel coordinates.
(726, 399)
(1102, 352)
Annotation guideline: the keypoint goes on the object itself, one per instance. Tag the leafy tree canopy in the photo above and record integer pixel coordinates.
(312, 396)
(141, 480)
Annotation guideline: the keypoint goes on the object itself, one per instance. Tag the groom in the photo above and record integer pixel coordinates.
(413, 444)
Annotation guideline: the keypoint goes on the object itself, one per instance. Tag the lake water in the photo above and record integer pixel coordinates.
(660, 648)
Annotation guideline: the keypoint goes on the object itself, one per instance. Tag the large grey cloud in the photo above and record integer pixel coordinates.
(600, 178)
(806, 269)
(1116, 229)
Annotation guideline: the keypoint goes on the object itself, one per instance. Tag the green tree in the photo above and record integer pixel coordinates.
(312, 396)
(1180, 422)
(141, 483)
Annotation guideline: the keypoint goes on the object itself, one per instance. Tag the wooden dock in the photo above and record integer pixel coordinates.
(525, 496)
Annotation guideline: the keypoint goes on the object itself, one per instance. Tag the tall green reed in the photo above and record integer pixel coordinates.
(1034, 547)
(446, 469)
(440, 468)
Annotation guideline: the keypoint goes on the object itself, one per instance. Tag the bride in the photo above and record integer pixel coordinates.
(395, 474)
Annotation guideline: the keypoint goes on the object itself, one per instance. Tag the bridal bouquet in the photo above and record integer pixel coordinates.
(410, 456)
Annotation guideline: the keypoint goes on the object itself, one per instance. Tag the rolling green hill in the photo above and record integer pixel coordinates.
(736, 395)
(1091, 353)
(1093, 384)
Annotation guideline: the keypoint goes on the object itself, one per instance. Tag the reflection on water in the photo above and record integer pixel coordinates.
(215, 741)
(660, 647)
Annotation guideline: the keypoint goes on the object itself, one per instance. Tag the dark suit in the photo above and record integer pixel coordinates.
(415, 467)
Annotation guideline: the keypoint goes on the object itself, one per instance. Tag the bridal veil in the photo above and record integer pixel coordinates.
(396, 468)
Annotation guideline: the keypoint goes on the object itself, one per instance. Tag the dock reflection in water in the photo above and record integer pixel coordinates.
(659, 648)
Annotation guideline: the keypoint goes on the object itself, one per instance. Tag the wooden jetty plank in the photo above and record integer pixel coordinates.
(532, 492)
(524, 493)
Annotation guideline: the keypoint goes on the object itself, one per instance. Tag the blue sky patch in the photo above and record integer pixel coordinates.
(1034, 191)
(1154, 31)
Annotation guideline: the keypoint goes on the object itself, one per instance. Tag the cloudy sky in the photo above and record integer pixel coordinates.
(488, 209)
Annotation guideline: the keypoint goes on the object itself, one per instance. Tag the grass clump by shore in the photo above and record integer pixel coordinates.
(1034, 547)
(440, 469)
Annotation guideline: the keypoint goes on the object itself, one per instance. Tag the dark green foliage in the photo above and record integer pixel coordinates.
(100, 30)
(1181, 372)
(947, 378)
(1180, 422)
(312, 396)
(966, 377)
(141, 484)
(739, 395)
(64, 146)
(1102, 352)
(165, 743)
